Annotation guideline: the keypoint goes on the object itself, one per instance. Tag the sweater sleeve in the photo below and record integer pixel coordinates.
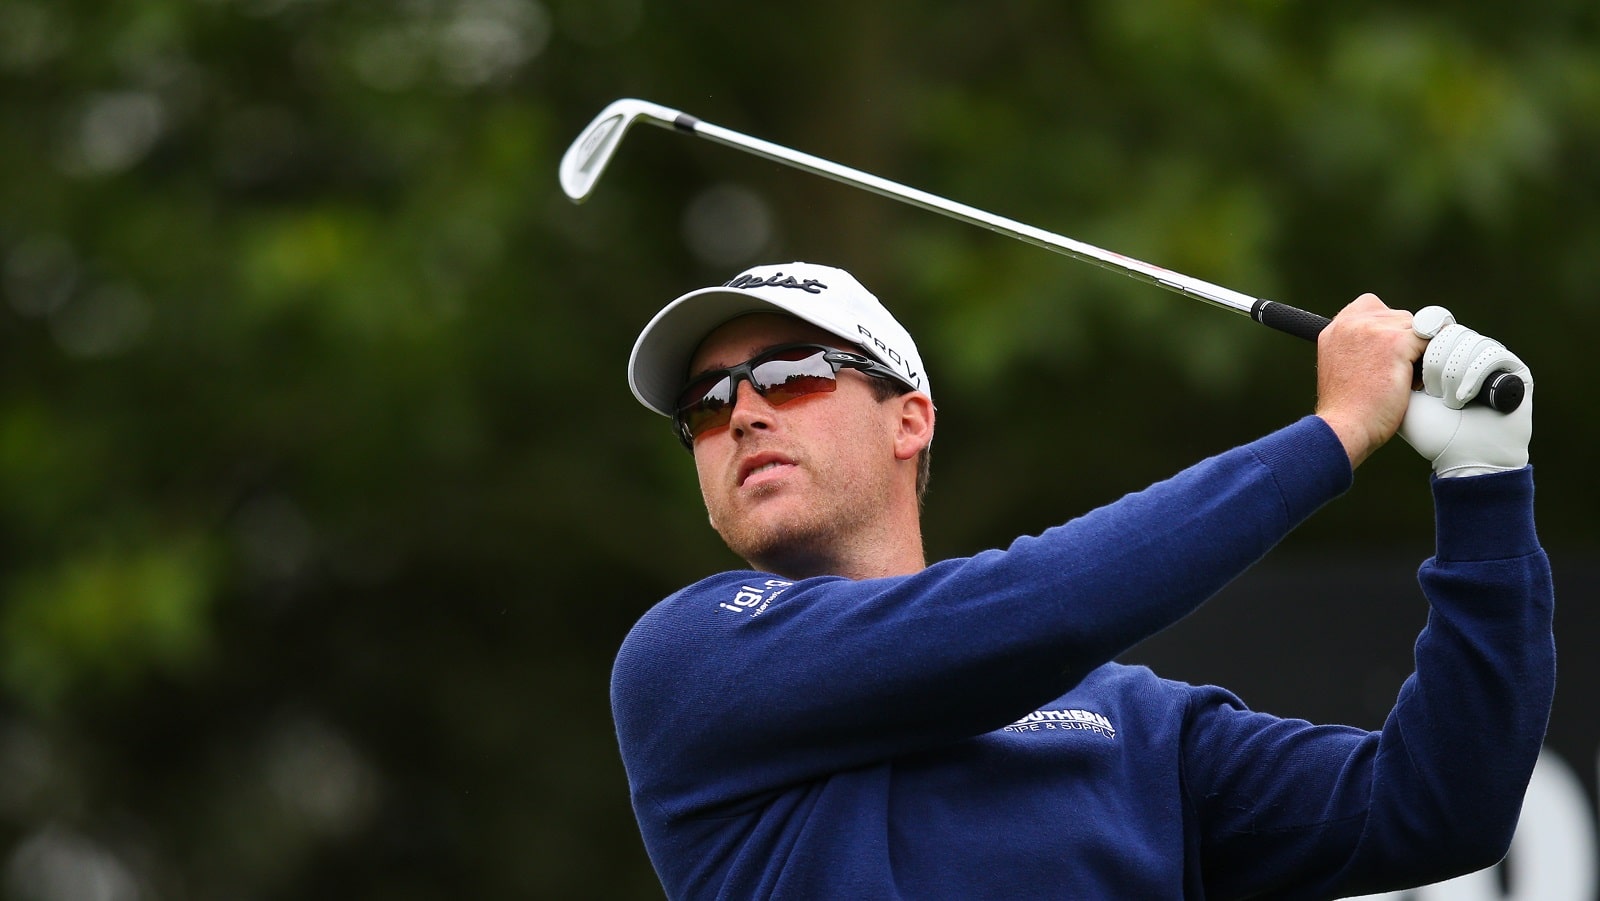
(1288, 809)
(744, 683)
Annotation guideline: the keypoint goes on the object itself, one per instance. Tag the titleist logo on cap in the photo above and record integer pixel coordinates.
(777, 280)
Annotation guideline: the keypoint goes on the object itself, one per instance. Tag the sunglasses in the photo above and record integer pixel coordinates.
(780, 375)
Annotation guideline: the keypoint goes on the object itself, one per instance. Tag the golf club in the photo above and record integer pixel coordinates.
(586, 159)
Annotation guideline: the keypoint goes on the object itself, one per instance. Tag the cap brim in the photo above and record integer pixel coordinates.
(660, 360)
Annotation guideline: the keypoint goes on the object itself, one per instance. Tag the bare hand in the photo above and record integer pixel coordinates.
(1365, 360)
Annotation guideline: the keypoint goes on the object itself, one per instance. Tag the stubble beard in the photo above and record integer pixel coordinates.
(812, 535)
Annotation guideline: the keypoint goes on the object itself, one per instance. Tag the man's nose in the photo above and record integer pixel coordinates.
(750, 410)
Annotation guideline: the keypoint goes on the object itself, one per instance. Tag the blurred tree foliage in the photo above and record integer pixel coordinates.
(325, 500)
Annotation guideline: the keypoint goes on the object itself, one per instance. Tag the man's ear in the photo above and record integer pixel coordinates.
(915, 425)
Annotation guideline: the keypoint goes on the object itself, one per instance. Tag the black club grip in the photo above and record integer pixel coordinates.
(1290, 320)
(1503, 391)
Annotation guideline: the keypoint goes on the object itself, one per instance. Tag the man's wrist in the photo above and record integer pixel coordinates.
(1357, 441)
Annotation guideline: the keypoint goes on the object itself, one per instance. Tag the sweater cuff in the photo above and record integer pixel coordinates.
(1308, 463)
(1487, 517)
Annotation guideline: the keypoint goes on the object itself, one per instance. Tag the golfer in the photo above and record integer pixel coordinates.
(842, 720)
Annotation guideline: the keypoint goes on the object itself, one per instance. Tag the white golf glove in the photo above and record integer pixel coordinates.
(1457, 438)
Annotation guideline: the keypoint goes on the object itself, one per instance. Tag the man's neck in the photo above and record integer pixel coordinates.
(891, 556)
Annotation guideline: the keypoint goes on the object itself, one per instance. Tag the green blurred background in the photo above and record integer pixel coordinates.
(323, 500)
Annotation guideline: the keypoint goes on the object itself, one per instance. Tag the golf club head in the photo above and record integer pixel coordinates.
(586, 159)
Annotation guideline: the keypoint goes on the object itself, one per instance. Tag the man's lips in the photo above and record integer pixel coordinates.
(760, 465)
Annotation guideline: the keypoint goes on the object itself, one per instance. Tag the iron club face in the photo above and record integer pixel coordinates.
(585, 161)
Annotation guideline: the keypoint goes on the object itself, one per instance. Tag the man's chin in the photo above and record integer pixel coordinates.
(775, 546)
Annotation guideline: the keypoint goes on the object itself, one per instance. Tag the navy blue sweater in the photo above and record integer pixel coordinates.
(961, 732)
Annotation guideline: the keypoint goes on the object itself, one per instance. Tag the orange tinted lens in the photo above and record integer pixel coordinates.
(706, 404)
(779, 376)
(794, 373)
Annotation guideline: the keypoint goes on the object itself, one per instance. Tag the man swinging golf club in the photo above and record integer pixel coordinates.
(843, 720)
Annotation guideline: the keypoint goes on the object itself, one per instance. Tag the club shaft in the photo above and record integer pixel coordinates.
(1172, 281)
(1503, 391)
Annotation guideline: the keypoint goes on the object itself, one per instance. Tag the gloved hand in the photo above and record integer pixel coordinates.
(1457, 438)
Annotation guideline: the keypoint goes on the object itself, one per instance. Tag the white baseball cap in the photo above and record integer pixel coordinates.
(828, 298)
